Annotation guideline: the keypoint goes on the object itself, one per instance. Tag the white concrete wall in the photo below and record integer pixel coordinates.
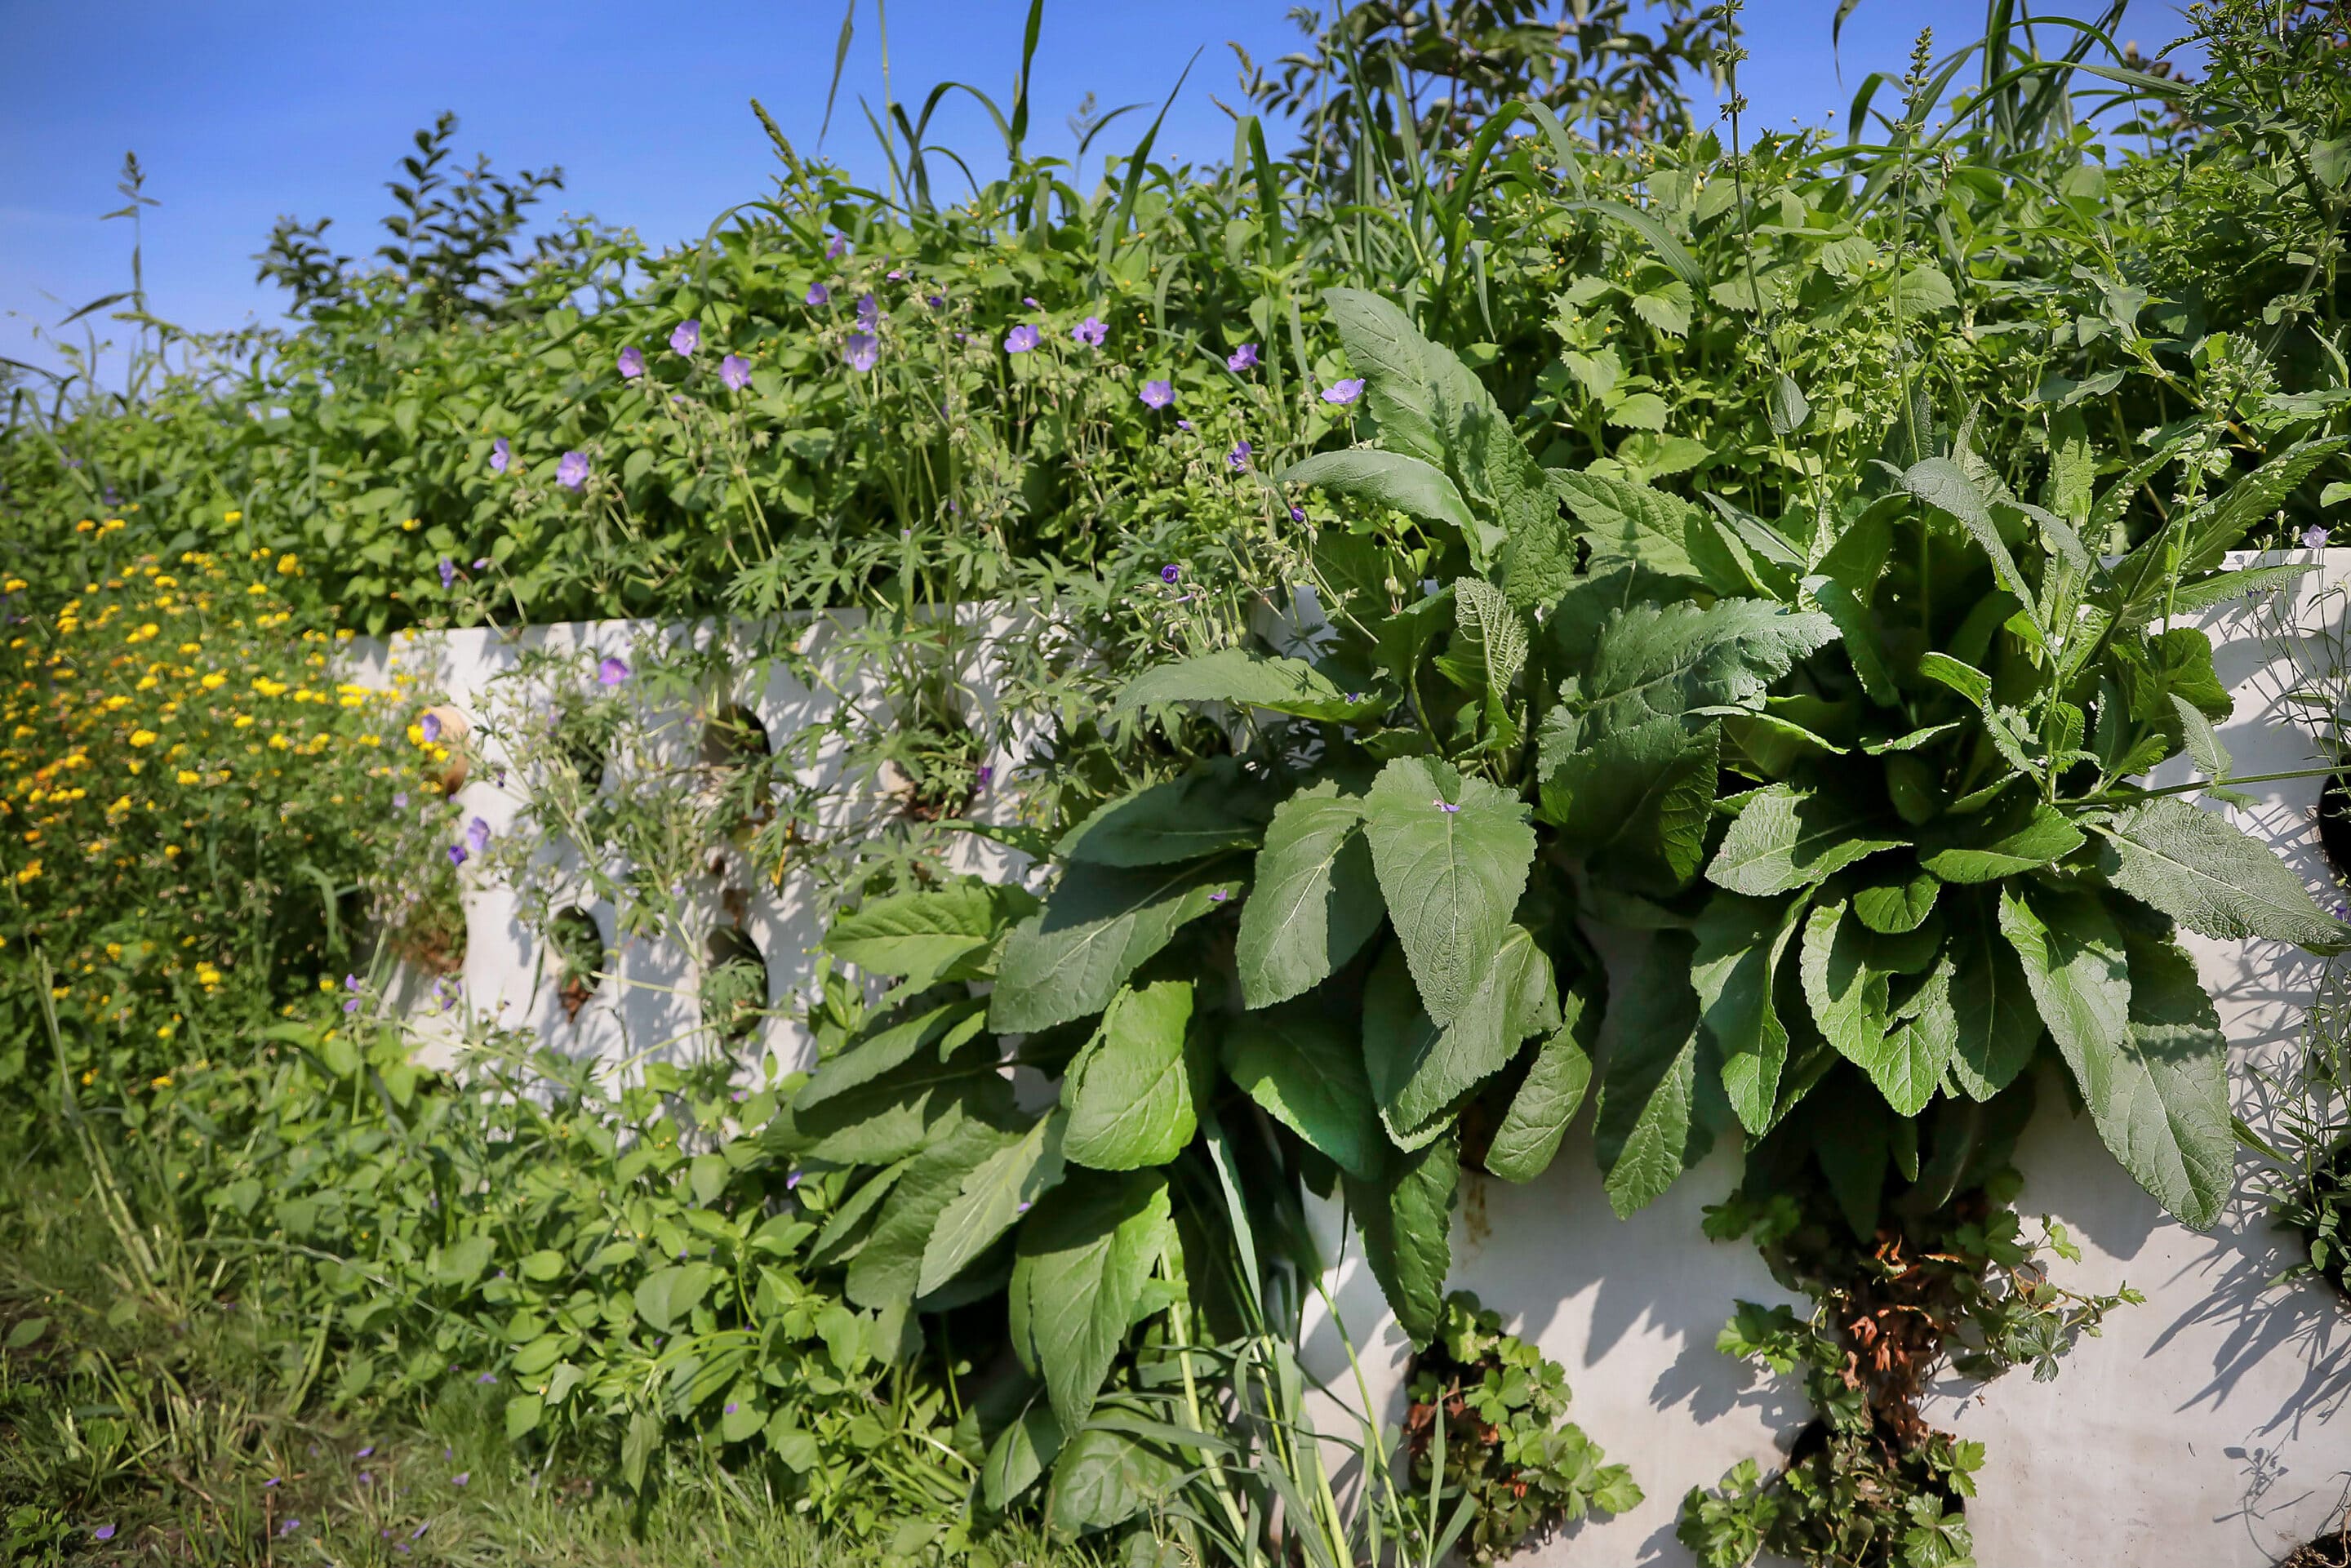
(2205, 1429)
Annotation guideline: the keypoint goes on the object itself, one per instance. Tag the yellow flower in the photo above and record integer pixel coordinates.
(32, 871)
(242, 721)
(165, 1080)
(214, 682)
(188, 775)
(85, 526)
(12, 585)
(232, 517)
(144, 737)
(164, 1032)
(287, 566)
(89, 1078)
(171, 851)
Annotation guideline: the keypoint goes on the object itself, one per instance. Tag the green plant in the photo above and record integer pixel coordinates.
(1488, 1419)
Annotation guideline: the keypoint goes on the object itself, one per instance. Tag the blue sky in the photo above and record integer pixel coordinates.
(243, 111)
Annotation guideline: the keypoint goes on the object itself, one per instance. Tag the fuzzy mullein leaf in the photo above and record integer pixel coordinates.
(1452, 854)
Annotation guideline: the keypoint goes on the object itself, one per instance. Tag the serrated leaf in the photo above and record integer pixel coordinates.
(995, 1194)
(1390, 479)
(1242, 679)
(1099, 923)
(1787, 409)
(1084, 1256)
(1306, 1068)
(923, 935)
(1018, 1456)
(1741, 942)
(1848, 996)
(1129, 1091)
(1531, 1130)
(1418, 1069)
(1452, 855)
(1654, 662)
(1630, 525)
(1897, 901)
(1406, 1220)
(1102, 1479)
(2211, 878)
(1636, 803)
(1998, 1025)
(1315, 899)
(1945, 485)
(1206, 811)
(903, 1035)
(1786, 838)
(1909, 1062)
(888, 1270)
(1646, 1129)
(1999, 843)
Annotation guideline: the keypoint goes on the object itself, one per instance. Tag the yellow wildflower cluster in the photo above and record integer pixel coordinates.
(183, 780)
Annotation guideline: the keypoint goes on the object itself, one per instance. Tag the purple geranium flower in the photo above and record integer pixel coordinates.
(869, 312)
(487, 1378)
(861, 350)
(1157, 394)
(289, 1527)
(936, 301)
(1242, 359)
(462, 1477)
(572, 470)
(632, 363)
(499, 456)
(686, 339)
(1030, 301)
(612, 671)
(456, 854)
(735, 372)
(478, 833)
(1091, 331)
(103, 1532)
(986, 774)
(2313, 537)
(837, 248)
(1445, 807)
(1238, 456)
(1297, 514)
(448, 574)
(1020, 340)
(1344, 391)
(430, 727)
(1168, 574)
(819, 294)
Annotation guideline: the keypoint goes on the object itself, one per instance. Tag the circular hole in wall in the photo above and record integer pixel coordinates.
(582, 743)
(733, 984)
(428, 923)
(580, 958)
(2334, 821)
(734, 737)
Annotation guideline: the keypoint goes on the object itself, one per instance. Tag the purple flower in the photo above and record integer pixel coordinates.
(818, 294)
(869, 312)
(429, 726)
(103, 1532)
(1238, 456)
(500, 454)
(986, 774)
(837, 248)
(456, 854)
(1020, 340)
(478, 833)
(735, 372)
(1344, 391)
(1168, 574)
(1091, 331)
(418, 1533)
(1183, 425)
(487, 1378)
(289, 1527)
(271, 1482)
(632, 363)
(793, 1181)
(936, 301)
(895, 275)
(1218, 896)
(1242, 359)
(462, 1477)
(730, 1408)
(1442, 805)
(1031, 303)
(1297, 514)
(352, 983)
(367, 1478)
(352, 1006)
(686, 339)
(1157, 394)
(861, 350)
(448, 574)
(572, 470)
(2313, 537)
(612, 671)
(400, 801)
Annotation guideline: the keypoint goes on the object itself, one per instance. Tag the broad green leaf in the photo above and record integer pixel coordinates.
(1102, 1479)
(888, 1270)
(1452, 855)
(1240, 678)
(1546, 1101)
(2211, 878)
(929, 1032)
(1646, 1129)
(1406, 1220)
(1944, 485)
(1129, 1093)
(1205, 812)
(900, 1111)
(843, 1235)
(1787, 838)
(1100, 923)
(2177, 1045)
(1739, 944)
(923, 935)
(1085, 1254)
(1998, 1025)
(996, 1192)
(1630, 525)
(1999, 843)
(1314, 899)
(666, 1295)
(1389, 479)
(1908, 1065)
(1306, 1068)
(1847, 994)
(1665, 661)
(1857, 629)
(1636, 803)
(1897, 902)
(1419, 1070)
(1018, 1456)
